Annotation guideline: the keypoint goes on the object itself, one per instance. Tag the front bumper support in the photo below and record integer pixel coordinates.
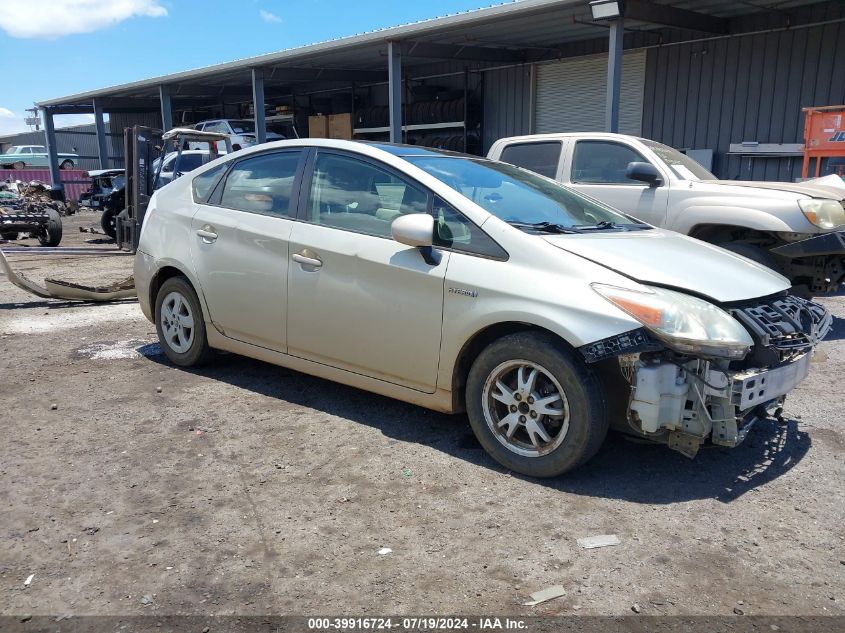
(832, 243)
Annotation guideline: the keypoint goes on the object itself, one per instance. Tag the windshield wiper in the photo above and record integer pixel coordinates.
(545, 227)
(606, 225)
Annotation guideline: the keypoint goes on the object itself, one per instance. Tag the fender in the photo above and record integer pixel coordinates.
(741, 217)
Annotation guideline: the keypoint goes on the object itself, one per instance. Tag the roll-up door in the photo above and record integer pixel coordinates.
(571, 94)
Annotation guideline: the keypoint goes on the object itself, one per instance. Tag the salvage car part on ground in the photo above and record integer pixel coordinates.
(58, 289)
(34, 208)
(459, 283)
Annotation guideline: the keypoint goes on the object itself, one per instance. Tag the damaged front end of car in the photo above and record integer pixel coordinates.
(675, 387)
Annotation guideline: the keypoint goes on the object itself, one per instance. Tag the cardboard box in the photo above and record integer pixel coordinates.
(318, 126)
(340, 126)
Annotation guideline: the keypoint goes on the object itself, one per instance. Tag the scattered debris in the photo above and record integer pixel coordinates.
(147, 600)
(544, 595)
(26, 618)
(28, 581)
(54, 406)
(91, 530)
(636, 608)
(739, 611)
(406, 472)
(602, 540)
(342, 499)
(384, 551)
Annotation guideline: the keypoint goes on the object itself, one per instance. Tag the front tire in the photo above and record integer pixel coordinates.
(180, 325)
(534, 406)
(108, 222)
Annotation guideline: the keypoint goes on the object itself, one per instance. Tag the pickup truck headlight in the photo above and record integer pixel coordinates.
(825, 214)
(683, 322)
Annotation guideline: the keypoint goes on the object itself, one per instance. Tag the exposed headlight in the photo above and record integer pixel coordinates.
(682, 322)
(825, 214)
(248, 140)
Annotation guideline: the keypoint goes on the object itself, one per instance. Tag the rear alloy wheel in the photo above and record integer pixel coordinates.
(66, 164)
(536, 408)
(180, 325)
(19, 165)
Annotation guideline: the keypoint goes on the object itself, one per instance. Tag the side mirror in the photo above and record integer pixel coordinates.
(413, 229)
(417, 229)
(644, 172)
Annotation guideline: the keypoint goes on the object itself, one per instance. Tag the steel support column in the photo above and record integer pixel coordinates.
(52, 149)
(614, 75)
(166, 107)
(258, 104)
(394, 79)
(102, 143)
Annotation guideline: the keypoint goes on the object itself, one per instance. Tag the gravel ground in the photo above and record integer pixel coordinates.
(247, 488)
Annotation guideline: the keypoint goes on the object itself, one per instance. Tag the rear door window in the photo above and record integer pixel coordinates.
(541, 158)
(263, 184)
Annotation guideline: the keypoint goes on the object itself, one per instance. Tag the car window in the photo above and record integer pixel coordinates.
(217, 126)
(453, 230)
(262, 184)
(189, 162)
(541, 158)
(243, 126)
(351, 194)
(26, 150)
(603, 162)
(204, 183)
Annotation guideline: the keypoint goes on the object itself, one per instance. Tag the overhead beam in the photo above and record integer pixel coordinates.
(462, 52)
(666, 15)
(282, 73)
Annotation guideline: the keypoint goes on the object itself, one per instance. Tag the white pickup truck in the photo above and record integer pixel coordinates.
(797, 229)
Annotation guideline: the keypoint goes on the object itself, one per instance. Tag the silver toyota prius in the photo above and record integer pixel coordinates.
(463, 284)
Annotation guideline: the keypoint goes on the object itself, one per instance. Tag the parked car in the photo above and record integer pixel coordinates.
(460, 283)
(796, 229)
(20, 156)
(103, 183)
(241, 132)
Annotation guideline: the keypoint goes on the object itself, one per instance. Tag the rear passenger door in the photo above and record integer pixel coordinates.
(240, 247)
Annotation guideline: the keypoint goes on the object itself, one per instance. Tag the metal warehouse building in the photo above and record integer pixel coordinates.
(726, 78)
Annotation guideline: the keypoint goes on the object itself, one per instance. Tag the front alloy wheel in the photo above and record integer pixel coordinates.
(526, 408)
(534, 405)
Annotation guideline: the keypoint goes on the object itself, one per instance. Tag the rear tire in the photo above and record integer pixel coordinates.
(52, 234)
(180, 325)
(66, 164)
(515, 414)
(18, 165)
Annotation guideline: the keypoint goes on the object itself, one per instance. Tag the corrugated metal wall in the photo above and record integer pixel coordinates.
(506, 103)
(118, 122)
(709, 94)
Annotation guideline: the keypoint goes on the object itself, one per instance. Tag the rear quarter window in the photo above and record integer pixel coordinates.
(203, 185)
(541, 158)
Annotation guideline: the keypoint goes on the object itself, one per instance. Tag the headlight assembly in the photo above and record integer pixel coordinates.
(683, 322)
(825, 214)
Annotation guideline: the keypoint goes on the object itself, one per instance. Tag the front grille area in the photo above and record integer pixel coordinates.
(783, 328)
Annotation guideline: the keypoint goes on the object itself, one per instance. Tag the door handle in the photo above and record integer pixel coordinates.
(306, 261)
(207, 234)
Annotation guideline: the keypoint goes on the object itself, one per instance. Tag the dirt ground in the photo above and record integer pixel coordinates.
(250, 489)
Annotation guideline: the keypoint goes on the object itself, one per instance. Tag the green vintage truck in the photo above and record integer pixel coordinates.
(20, 156)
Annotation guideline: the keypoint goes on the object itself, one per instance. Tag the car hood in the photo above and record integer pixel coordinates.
(818, 188)
(669, 259)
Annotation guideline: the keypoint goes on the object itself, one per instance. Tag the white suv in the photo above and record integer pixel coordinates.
(459, 283)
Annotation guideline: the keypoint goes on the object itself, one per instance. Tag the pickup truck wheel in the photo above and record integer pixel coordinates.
(66, 164)
(18, 165)
(108, 222)
(180, 325)
(534, 406)
(52, 234)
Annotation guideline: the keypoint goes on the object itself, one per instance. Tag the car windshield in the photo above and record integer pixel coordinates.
(682, 165)
(518, 196)
(243, 126)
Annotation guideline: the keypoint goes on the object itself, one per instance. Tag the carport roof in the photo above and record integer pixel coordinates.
(514, 32)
